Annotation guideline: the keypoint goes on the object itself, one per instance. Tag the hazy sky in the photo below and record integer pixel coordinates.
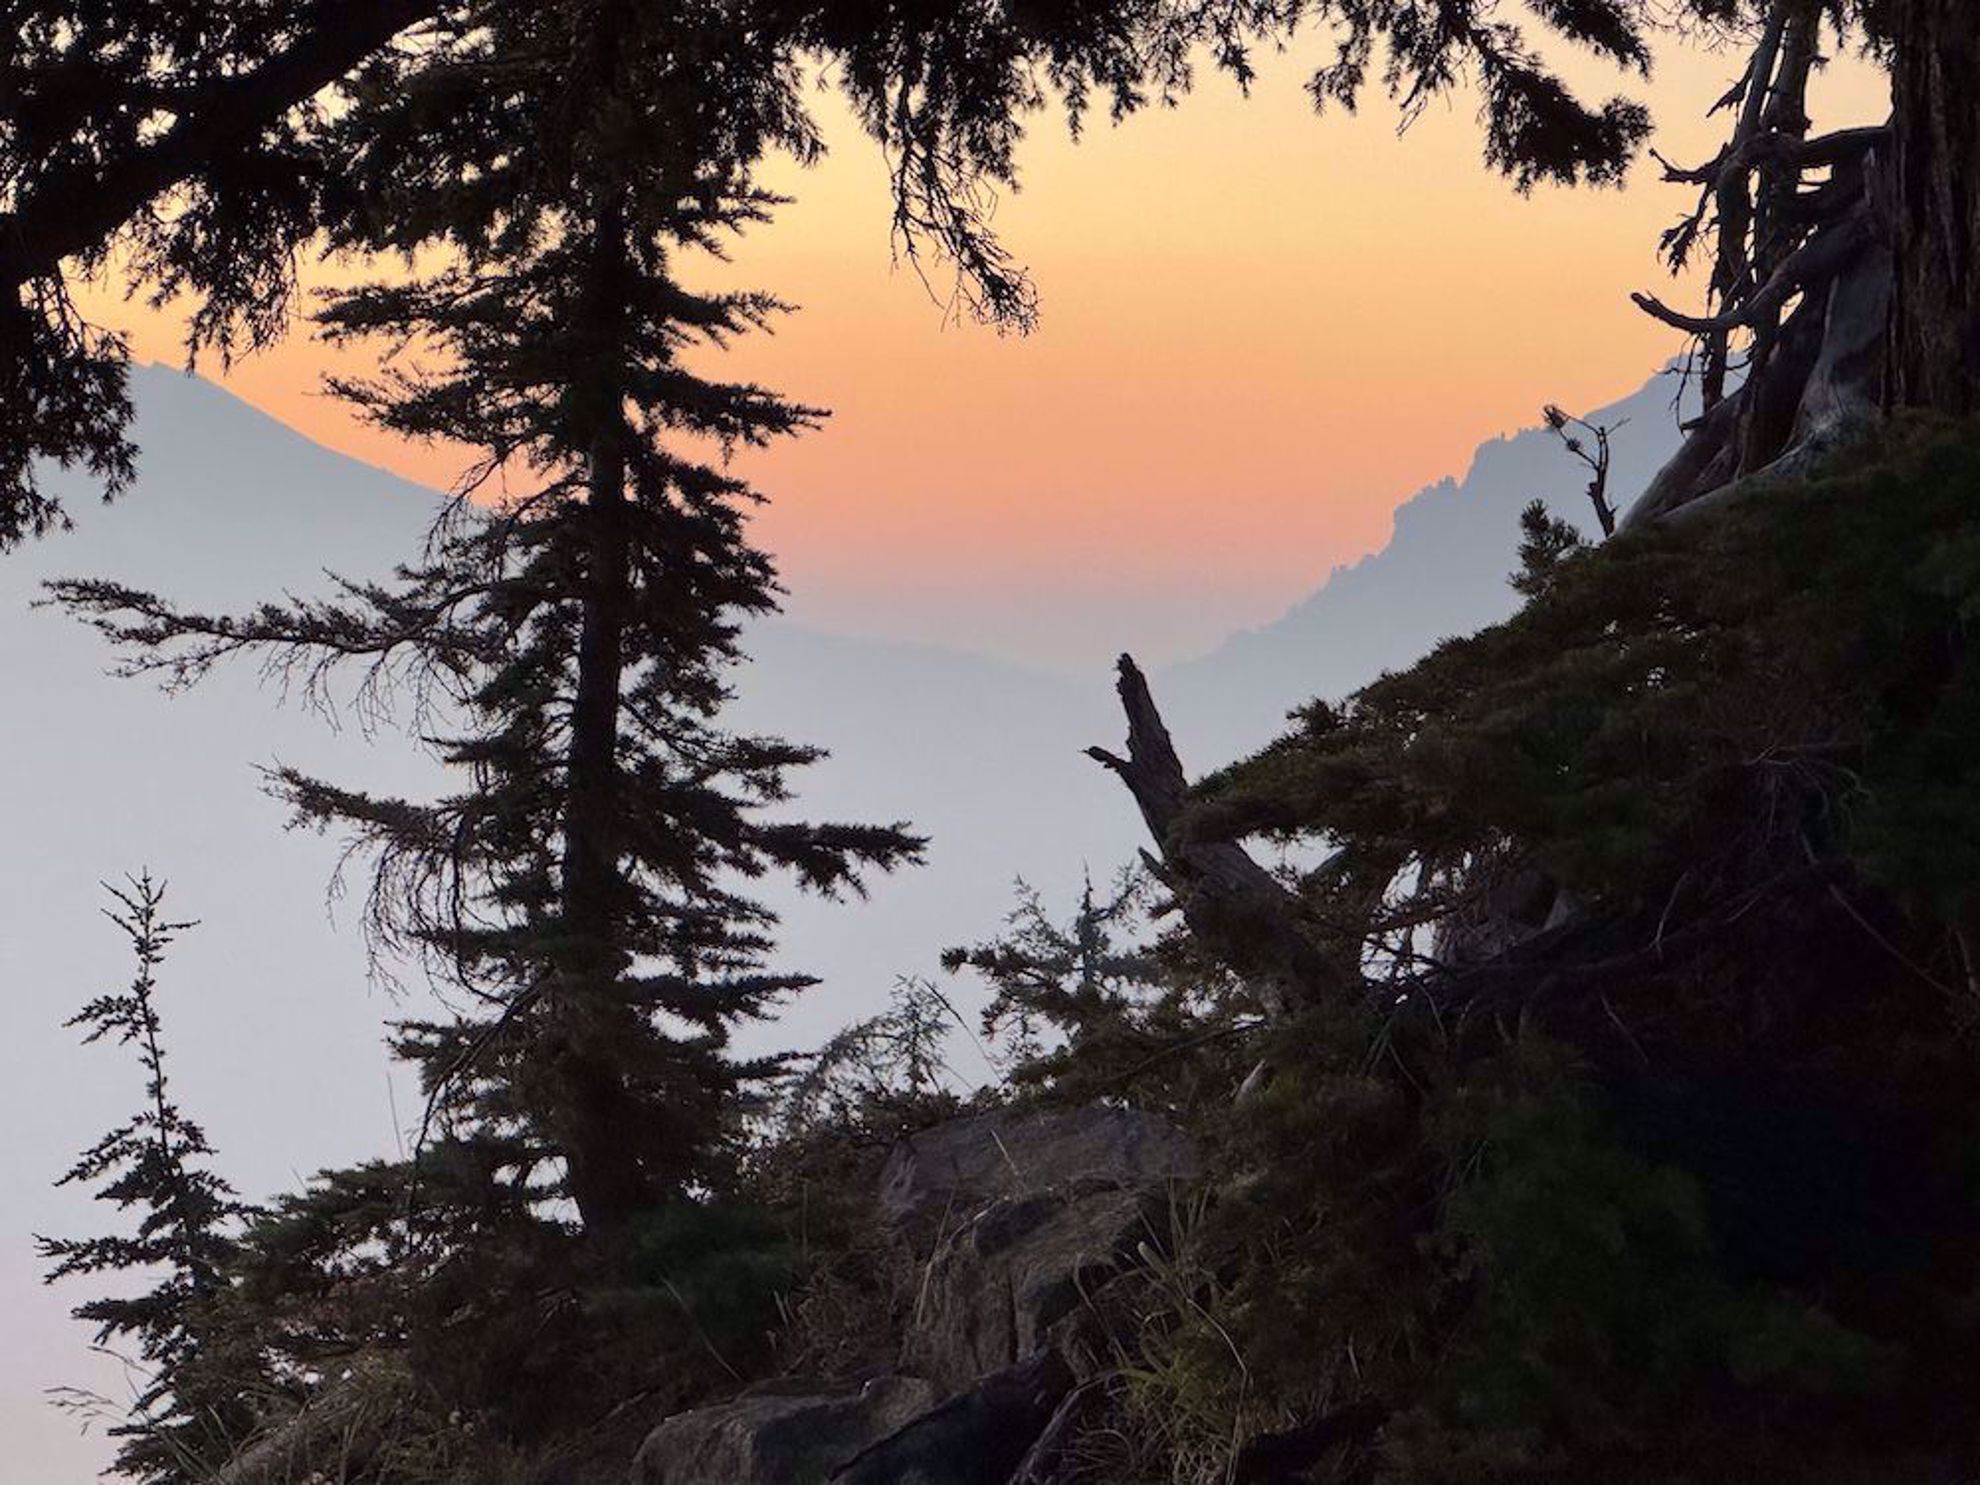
(1262, 330)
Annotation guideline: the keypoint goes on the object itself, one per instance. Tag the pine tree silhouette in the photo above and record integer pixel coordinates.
(187, 1413)
(585, 885)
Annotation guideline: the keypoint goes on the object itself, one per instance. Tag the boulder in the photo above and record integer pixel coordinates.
(941, 1176)
(978, 1437)
(1012, 1280)
(1053, 1457)
(791, 1432)
(1012, 1219)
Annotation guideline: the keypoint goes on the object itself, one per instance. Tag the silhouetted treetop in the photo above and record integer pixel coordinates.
(186, 1414)
(201, 149)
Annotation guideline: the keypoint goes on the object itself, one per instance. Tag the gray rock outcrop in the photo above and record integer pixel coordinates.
(791, 1432)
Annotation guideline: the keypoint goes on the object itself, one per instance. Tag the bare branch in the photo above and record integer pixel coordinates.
(1235, 907)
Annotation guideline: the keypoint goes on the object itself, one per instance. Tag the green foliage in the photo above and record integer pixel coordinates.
(1475, 1251)
(728, 1266)
(1101, 1006)
(895, 1060)
(1051, 981)
(1914, 825)
(1318, 1227)
(504, 1337)
(1619, 729)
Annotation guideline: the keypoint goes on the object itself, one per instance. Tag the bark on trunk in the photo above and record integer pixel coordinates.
(603, 1168)
(1935, 316)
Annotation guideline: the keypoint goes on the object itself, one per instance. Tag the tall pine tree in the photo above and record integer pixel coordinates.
(587, 883)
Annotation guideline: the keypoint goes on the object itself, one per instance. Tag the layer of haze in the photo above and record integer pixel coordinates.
(1261, 330)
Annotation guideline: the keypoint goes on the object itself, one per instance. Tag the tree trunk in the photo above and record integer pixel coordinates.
(590, 1109)
(1935, 316)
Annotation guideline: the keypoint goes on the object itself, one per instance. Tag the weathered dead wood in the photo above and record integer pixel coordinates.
(1842, 394)
(1235, 908)
(1781, 147)
(1777, 377)
(1813, 265)
(1562, 425)
(1689, 467)
(1834, 400)
(1796, 279)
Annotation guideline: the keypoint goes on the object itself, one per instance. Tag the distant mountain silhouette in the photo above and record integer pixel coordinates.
(1443, 572)
(276, 1043)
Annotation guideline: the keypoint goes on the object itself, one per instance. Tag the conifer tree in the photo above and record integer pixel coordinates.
(1052, 979)
(896, 1062)
(1545, 542)
(585, 884)
(189, 1412)
(1102, 1004)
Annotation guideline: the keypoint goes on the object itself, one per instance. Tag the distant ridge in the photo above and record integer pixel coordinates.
(1443, 572)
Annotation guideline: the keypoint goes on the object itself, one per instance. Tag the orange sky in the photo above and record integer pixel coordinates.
(1261, 331)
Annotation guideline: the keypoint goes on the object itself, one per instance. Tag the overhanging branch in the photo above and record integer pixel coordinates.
(74, 210)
